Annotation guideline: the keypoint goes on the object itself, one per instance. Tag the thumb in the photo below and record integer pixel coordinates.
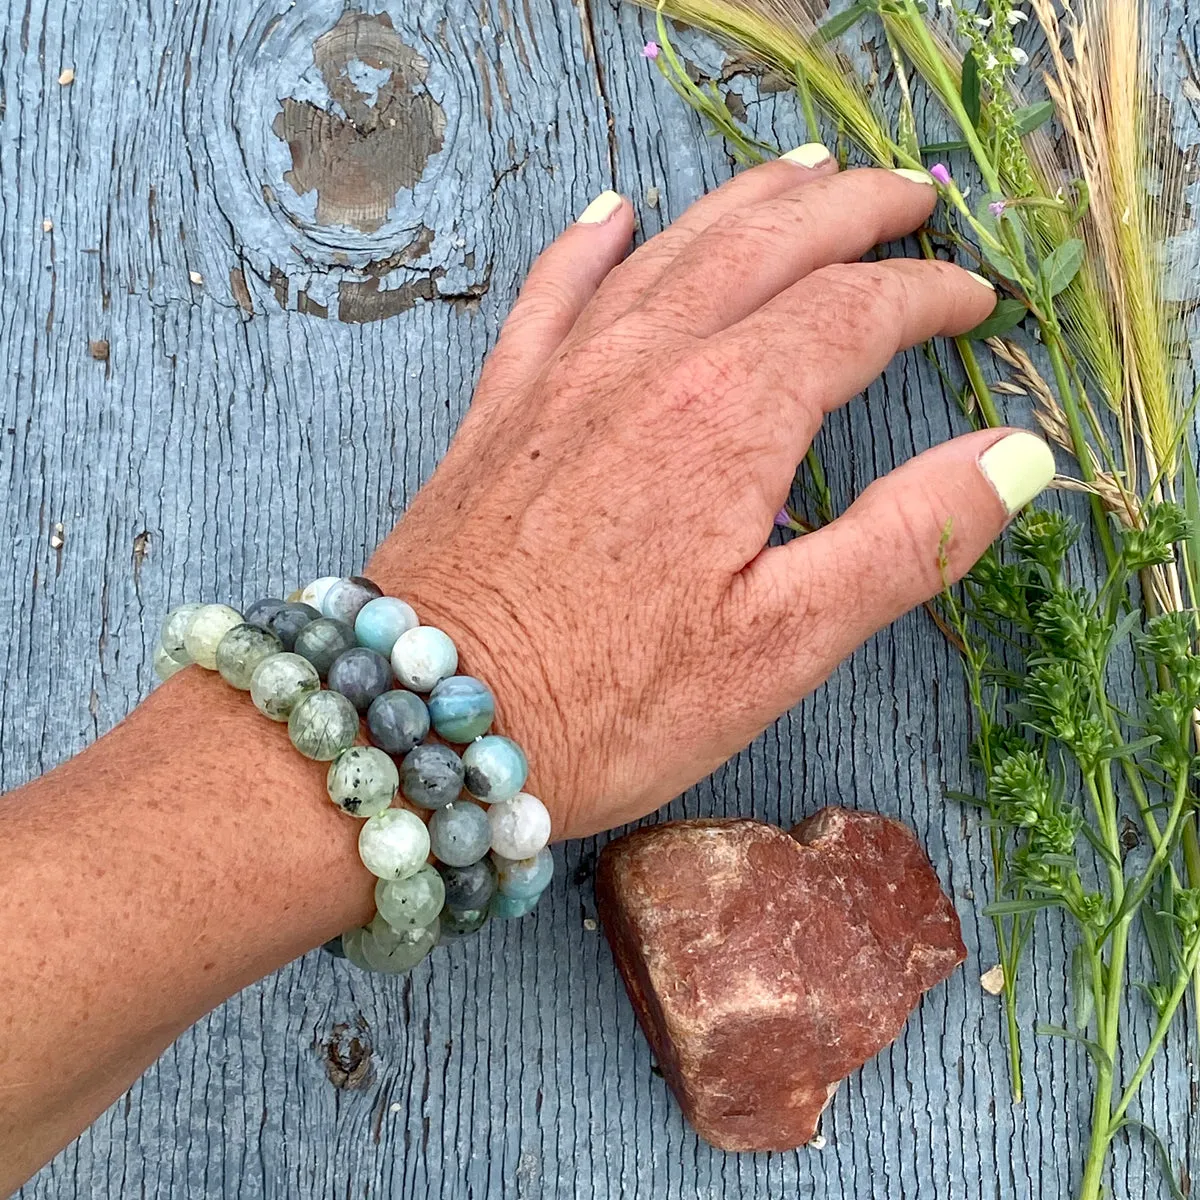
(886, 554)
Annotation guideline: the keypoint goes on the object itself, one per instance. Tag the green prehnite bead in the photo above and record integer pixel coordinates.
(524, 878)
(322, 641)
(241, 651)
(459, 833)
(209, 624)
(392, 952)
(461, 709)
(462, 922)
(173, 630)
(495, 768)
(164, 665)
(381, 621)
(280, 682)
(507, 907)
(323, 725)
(394, 844)
(352, 941)
(362, 781)
(413, 902)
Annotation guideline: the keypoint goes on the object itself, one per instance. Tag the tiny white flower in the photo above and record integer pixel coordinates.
(1016, 17)
(1019, 56)
(984, 22)
(991, 62)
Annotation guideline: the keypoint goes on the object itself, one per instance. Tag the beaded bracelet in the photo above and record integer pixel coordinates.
(491, 862)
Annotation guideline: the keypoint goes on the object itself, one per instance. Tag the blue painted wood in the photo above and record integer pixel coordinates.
(231, 440)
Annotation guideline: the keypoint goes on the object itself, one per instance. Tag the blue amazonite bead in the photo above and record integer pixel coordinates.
(361, 675)
(459, 834)
(398, 721)
(461, 708)
(431, 776)
(469, 887)
(381, 621)
(524, 878)
(321, 641)
(345, 598)
(423, 657)
(510, 906)
(494, 768)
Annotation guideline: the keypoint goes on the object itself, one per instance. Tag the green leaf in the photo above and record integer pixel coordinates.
(1082, 998)
(1093, 1048)
(1006, 316)
(970, 87)
(1062, 265)
(1191, 507)
(1008, 908)
(943, 147)
(1033, 116)
(1164, 1159)
(839, 24)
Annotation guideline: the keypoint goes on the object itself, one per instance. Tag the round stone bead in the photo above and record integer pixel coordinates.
(321, 641)
(461, 922)
(471, 886)
(495, 768)
(361, 675)
(461, 708)
(315, 592)
(410, 903)
(423, 657)
(507, 907)
(398, 721)
(394, 952)
(524, 878)
(458, 833)
(352, 941)
(381, 621)
(346, 597)
(362, 781)
(261, 611)
(289, 620)
(520, 826)
(394, 844)
(164, 665)
(173, 630)
(431, 776)
(334, 947)
(280, 682)
(323, 725)
(241, 651)
(209, 624)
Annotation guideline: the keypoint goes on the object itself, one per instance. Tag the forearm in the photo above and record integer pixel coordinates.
(184, 855)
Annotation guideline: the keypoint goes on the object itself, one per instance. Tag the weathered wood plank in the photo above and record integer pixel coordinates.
(270, 422)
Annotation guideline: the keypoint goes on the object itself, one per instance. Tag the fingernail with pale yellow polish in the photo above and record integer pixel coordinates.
(1018, 467)
(810, 155)
(601, 209)
(987, 283)
(913, 176)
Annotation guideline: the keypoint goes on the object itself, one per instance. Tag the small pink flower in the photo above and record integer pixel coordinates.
(941, 173)
(783, 519)
(997, 208)
(650, 50)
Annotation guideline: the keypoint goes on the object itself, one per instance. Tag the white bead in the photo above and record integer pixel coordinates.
(423, 657)
(394, 844)
(205, 630)
(314, 593)
(520, 826)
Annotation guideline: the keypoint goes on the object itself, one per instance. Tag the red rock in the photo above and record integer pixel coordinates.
(765, 967)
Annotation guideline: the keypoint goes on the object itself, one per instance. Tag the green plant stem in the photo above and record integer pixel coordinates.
(979, 386)
(824, 497)
(806, 102)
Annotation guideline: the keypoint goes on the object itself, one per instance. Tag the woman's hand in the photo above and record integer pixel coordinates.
(594, 540)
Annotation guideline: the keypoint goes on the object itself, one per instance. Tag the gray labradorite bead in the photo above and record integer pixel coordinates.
(322, 640)
(431, 776)
(362, 781)
(459, 834)
(322, 725)
(388, 950)
(174, 627)
(280, 682)
(471, 886)
(462, 922)
(289, 619)
(398, 721)
(261, 611)
(495, 768)
(461, 709)
(361, 675)
(407, 904)
(241, 650)
(334, 947)
(346, 597)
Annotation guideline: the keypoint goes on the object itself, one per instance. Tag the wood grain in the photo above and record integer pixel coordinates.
(275, 389)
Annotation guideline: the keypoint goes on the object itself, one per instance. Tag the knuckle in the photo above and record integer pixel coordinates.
(861, 298)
